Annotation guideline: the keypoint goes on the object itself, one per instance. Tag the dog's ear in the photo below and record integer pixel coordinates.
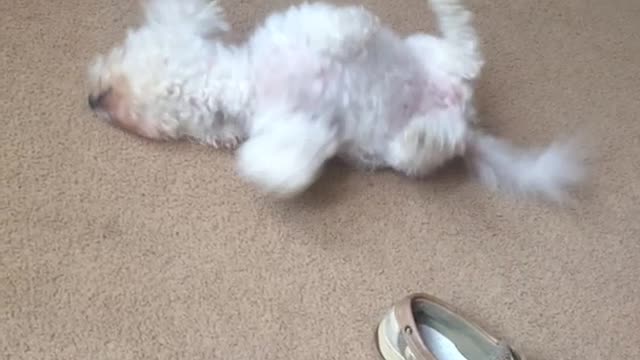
(201, 17)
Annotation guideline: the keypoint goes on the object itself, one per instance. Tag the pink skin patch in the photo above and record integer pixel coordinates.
(442, 94)
(419, 97)
(294, 76)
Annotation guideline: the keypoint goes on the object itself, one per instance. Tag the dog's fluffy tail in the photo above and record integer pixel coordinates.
(548, 173)
(456, 24)
(204, 17)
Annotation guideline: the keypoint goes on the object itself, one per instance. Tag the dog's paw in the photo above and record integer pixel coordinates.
(355, 26)
(351, 28)
(283, 171)
(227, 143)
(427, 143)
(201, 17)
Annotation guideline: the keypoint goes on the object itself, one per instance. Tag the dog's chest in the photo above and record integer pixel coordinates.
(297, 79)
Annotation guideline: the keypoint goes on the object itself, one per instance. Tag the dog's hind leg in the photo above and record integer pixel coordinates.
(285, 156)
(440, 56)
(458, 45)
(427, 142)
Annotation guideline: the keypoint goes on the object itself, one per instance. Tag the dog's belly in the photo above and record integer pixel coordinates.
(298, 80)
(371, 100)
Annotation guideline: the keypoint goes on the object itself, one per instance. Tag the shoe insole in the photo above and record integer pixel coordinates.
(440, 345)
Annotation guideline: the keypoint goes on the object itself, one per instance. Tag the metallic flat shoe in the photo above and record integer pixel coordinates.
(421, 327)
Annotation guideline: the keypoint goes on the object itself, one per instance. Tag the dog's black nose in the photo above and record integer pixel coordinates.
(95, 102)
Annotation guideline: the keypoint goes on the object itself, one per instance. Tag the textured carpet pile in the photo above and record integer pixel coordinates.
(116, 248)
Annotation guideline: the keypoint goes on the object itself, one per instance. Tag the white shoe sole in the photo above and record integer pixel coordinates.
(385, 346)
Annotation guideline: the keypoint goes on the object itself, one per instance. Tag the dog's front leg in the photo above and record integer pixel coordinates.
(285, 155)
(337, 31)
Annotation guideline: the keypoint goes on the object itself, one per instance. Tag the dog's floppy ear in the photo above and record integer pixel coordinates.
(202, 17)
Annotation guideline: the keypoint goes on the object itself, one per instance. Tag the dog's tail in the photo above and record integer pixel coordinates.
(456, 25)
(548, 173)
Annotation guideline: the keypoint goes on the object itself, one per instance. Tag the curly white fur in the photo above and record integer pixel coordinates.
(313, 82)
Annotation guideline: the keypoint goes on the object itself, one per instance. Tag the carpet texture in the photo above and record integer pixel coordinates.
(116, 248)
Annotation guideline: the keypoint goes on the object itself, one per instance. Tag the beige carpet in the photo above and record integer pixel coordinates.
(115, 248)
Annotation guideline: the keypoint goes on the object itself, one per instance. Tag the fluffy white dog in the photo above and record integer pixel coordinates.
(314, 82)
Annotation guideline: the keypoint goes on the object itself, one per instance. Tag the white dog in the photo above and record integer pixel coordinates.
(314, 82)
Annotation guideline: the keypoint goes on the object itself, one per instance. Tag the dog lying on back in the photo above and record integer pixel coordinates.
(314, 82)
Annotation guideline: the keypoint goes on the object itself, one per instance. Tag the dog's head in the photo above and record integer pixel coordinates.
(137, 86)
